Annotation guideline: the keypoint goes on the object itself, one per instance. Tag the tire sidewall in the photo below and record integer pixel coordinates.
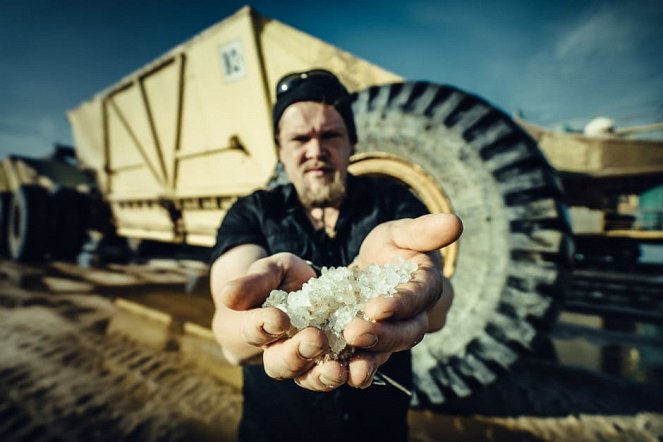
(30, 224)
(510, 270)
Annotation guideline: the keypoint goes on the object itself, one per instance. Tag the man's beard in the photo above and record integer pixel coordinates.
(328, 195)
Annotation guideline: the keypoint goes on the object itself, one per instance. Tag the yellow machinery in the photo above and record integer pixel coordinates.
(176, 142)
(37, 199)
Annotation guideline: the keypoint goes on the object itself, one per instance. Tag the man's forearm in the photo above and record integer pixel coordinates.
(227, 323)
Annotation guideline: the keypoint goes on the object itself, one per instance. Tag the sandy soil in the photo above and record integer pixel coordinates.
(63, 378)
(65, 375)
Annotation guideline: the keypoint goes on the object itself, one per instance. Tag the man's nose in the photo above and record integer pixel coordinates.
(315, 148)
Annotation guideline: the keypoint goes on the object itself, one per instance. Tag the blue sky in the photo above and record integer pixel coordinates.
(559, 62)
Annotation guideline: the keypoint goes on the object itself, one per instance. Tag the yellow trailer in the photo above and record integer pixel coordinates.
(176, 142)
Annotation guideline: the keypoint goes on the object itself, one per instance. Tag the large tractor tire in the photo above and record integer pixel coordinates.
(5, 208)
(461, 155)
(29, 230)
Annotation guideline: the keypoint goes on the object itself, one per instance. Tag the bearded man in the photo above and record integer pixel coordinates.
(327, 217)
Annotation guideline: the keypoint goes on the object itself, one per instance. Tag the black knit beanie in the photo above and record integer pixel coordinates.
(316, 85)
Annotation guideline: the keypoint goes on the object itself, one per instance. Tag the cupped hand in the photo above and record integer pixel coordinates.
(399, 322)
(284, 357)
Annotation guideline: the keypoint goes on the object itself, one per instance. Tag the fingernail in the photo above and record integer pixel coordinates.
(369, 379)
(271, 329)
(308, 350)
(367, 340)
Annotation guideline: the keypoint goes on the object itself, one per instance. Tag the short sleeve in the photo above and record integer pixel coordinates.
(241, 225)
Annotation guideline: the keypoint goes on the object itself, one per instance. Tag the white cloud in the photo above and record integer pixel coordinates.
(607, 62)
(604, 33)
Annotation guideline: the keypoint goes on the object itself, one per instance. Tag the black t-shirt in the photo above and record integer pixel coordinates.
(281, 410)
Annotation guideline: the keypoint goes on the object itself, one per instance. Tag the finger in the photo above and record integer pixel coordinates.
(283, 270)
(363, 366)
(264, 326)
(426, 233)
(386, 336)
(249, 291)
(406, 305)
(324, 376)
(292, 357)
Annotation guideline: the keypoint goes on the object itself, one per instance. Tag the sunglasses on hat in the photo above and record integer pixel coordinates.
(319, 76)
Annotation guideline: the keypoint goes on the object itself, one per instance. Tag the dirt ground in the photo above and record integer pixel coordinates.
(67, 372)
(63, 377)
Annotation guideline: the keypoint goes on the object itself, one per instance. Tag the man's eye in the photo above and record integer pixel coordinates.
(330, 135)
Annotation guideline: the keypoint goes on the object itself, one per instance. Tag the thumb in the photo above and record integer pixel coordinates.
(280, 271)
(426, 233)
(249, 291)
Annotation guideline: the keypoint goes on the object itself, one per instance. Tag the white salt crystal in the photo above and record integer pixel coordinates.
(340, 294)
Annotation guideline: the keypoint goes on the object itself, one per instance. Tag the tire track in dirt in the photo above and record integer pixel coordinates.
(63, 378)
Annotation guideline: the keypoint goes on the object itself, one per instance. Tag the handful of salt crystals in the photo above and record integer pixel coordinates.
(339, 295)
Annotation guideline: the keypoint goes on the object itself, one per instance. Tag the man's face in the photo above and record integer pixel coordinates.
(315, 150)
